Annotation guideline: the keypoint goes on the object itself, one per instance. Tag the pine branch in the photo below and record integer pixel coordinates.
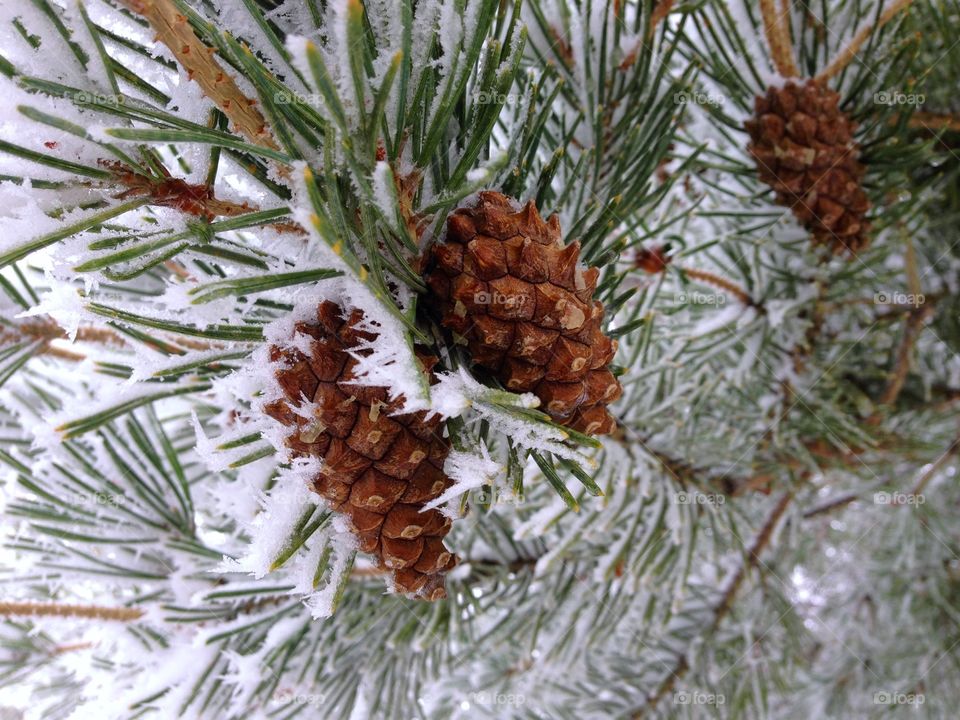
(86, 612)
(776, 29)
(399, 139)
(201, 66)
(191, 199)
(717, 281)
(934, 121)
(683, 473)
(72, 647)
(844, 499)
(722, 608)
(46, 330)
(849, 52)
(660, 12)
(935, 468)
(913, 326)
(832, 504)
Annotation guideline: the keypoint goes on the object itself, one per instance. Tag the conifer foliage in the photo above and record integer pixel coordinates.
(478, 358)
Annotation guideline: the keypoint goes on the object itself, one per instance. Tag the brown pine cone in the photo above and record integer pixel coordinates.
(379, 468)
(504, 281)
(804, 149)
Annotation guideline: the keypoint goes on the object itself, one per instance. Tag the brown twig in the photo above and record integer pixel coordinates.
(934, 121)
(723, 607)
(73, 647)
(193, 199)
(563, 47)
(720, 282)
(849, 52)
(659, 14)
(89, 612)
(924, 479)
(901, 367)
(945, 397)
(198, 60)
(173, 192)
(778, 38)
(831, 504)
(683, 472)
(46, 330)
(845, 499)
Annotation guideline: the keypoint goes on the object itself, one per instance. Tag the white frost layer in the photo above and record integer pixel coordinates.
(468, 472)
(457, 392)
(282, 508)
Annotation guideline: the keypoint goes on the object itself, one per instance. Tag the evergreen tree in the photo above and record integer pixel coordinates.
(474, 358)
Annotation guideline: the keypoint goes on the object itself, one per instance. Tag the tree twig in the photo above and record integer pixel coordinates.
(198, 60)
(934, 121)
(659, 14)
(73, 647)
(683, 472)
(723, 607)
(89, 612)
(778, 38)
(46, 330)
(720, 282)
(831, 504)
(927, 476)
(901, 367)
(850, 51)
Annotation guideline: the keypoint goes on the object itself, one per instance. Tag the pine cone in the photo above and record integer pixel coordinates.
(507, 285)
(379, 468)
(804, 149)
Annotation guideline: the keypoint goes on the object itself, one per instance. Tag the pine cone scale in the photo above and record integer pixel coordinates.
(804, 149)
(519, 299)
(379, 467)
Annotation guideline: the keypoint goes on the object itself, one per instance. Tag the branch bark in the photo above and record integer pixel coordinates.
(720, 282)
(88, 612)
(778, 38)
(723, 607)
(849, 52)
(46, 330)
(198, 60)
(934, 121)
(911, 332)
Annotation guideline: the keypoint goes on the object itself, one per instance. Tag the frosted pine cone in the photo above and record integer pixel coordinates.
(379, 468)
(504, 281)
(804, 149)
